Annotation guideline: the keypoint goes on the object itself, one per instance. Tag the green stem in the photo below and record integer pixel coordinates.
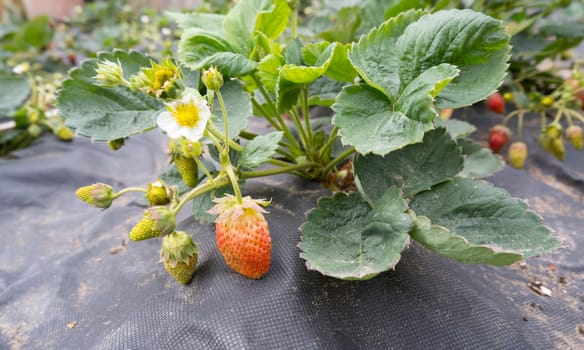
(294, 20)
(205, 187)
(520, 125)
(575, 115)
(225, 123)
(338, 159)
(265, 93)
(331, 140)
(303, 136)
(233, 178)
(215, 133)
(212, 134)
(511, 115)
(128, 190)
(265, 114)
(305, 112)
(283, 127)
(204, 168)
(558, 116)
(275, 171)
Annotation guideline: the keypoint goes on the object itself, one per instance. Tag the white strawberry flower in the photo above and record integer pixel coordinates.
(186, 117)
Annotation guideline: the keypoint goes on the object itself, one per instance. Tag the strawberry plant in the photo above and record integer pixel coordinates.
(398, 172)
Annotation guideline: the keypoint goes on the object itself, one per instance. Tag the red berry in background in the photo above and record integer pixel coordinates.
(582, 100)
(496, 103)
(498, 137)
(72, 59)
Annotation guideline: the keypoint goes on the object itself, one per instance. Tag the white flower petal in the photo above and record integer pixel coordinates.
(192, 134)
(165, 120)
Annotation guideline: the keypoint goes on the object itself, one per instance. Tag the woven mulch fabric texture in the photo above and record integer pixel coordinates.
(69, 278)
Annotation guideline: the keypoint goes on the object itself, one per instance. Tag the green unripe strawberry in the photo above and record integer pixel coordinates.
(551, 140)
(99, 195)
(188, 170)
(574, 135)
(547, 102)
(156, 222)
(65, 134)
(35, 130)
(517, 154)
(116, 144)
(158, 193)
(183, 153)
(179, 254)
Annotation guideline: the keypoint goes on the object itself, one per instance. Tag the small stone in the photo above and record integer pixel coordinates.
(523, 265)
(581, 329)
(72, 324)
(563, 280)
(540, 289)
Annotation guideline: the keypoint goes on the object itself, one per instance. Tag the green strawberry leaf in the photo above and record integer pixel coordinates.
(479, 161)
(249, 16)
(366, 120)
(107, 113)
(268, 70)
(340, 68)
(259, 150)
(439, 240)
(404, 47)
(238, 105)
(206, 22)
(376, 58)
(485, 216)
(458, 129)
(345, 238)
(476, 43)
(324, 91)
(413, 169)
(15, 91)
(417, 99)
(198, 50)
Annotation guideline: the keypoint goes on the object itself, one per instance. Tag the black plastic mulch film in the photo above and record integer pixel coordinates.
(67, 281)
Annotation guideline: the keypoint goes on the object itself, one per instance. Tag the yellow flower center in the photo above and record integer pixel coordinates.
(186, 115)
(161, 76)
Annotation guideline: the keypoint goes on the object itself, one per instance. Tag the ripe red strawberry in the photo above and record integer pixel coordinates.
(496, 103)
(498, 137)
(72, 58)
(242, 234)
(517, 154)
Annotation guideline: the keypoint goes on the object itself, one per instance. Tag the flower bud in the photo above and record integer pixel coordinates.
(99, 195)
(213, 79)
(109, 74)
